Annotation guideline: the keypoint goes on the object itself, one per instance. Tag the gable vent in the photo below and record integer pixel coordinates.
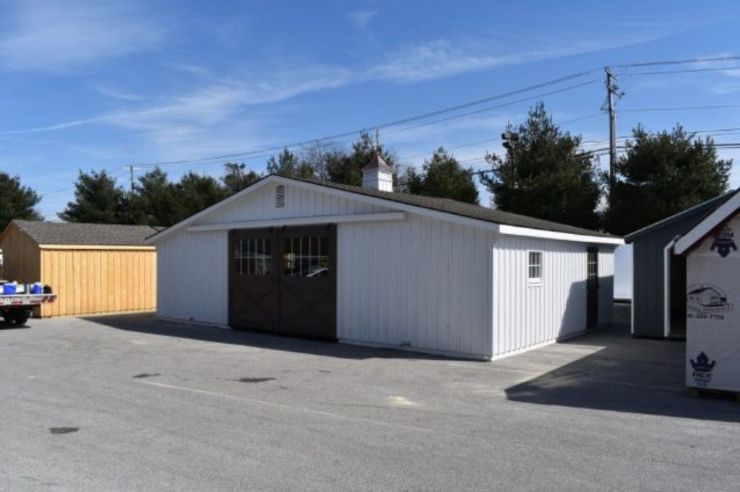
(280, 196)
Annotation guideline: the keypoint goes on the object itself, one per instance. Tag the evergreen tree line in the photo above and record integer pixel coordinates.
(545, 174)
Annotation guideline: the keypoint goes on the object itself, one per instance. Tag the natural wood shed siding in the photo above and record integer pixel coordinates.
(91, 280)
(21, 256)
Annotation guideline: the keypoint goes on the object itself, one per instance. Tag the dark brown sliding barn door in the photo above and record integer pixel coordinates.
(283, 280)
(308, 281)
(252, 286)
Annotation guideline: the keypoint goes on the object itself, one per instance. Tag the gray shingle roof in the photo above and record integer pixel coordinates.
(462, 209)
(700, 211)
(85, 234)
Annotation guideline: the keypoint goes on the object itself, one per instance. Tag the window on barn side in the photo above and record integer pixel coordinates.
(535, 267)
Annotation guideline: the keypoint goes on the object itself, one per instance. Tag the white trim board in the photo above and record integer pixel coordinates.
(562, 236)
(293, 221)
(667, 279)
(700, 230)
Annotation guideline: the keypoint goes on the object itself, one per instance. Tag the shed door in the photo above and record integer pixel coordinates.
(592, 287)
(252, 285)
(283, 280)
(308, 281)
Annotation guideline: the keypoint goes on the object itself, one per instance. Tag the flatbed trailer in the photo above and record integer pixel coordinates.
(17, 308)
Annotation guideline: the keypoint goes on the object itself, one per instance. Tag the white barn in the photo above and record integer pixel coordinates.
(367, 266)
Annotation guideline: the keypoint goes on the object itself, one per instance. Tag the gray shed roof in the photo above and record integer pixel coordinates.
(85, 234)
(462, 209)
(700, 211)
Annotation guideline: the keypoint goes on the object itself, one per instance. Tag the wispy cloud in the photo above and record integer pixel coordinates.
(116, 93)
(361, 18)
(724, 74)
(211, 104)
(216, 101)
(436, 59)
(446, 58)
(54, 35)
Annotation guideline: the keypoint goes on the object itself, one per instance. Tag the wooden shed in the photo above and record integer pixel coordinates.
(94, 268)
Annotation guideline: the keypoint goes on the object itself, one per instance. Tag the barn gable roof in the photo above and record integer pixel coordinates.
(442, 207)
(461, 208)
(699, 211)
(67, 233)
(717, 217)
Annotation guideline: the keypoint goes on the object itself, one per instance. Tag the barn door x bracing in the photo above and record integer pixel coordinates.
(283, 280)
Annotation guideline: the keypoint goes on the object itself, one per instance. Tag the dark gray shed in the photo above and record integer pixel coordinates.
(651, 280)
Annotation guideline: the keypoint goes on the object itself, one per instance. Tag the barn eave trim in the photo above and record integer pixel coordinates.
(706, 226)
(295, 221)
(95, 247)
(560, 236)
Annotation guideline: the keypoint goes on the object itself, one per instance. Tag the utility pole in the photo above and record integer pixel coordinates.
(131, 175)
(611, 91)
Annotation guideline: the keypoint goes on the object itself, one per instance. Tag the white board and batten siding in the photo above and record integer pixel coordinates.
(422, 284)
(419, 282)
(193, 266)
(299, 202)
(529, 314)
(192, 284)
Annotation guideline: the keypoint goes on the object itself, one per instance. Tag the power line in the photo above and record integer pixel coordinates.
(268, 151)
(453, 109)
(687, 70)
(499, 106)
(70, 188)
(402, 121)
(679, 62)
(681, 108)
(478, 142)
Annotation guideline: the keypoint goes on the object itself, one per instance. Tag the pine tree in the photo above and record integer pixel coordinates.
(97, 200)
(347, 168)
(236, 177)
(545, 175)
(442, 176)
(16, 201)
(289, 164)
(662, 174)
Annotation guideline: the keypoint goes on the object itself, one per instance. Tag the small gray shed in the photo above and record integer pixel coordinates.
(659, 277)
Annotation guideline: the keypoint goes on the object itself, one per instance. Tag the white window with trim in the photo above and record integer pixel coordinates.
(534, 267)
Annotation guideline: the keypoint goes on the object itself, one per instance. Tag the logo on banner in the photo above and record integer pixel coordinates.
(702, 369)
(724, 241)
(706, 301)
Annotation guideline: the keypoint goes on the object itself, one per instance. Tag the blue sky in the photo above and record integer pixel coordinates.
(91, 85)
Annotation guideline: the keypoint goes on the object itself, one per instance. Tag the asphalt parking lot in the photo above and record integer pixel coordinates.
(130, 403)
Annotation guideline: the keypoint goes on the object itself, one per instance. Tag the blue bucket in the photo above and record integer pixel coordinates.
(9, 289)
(37, 288)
